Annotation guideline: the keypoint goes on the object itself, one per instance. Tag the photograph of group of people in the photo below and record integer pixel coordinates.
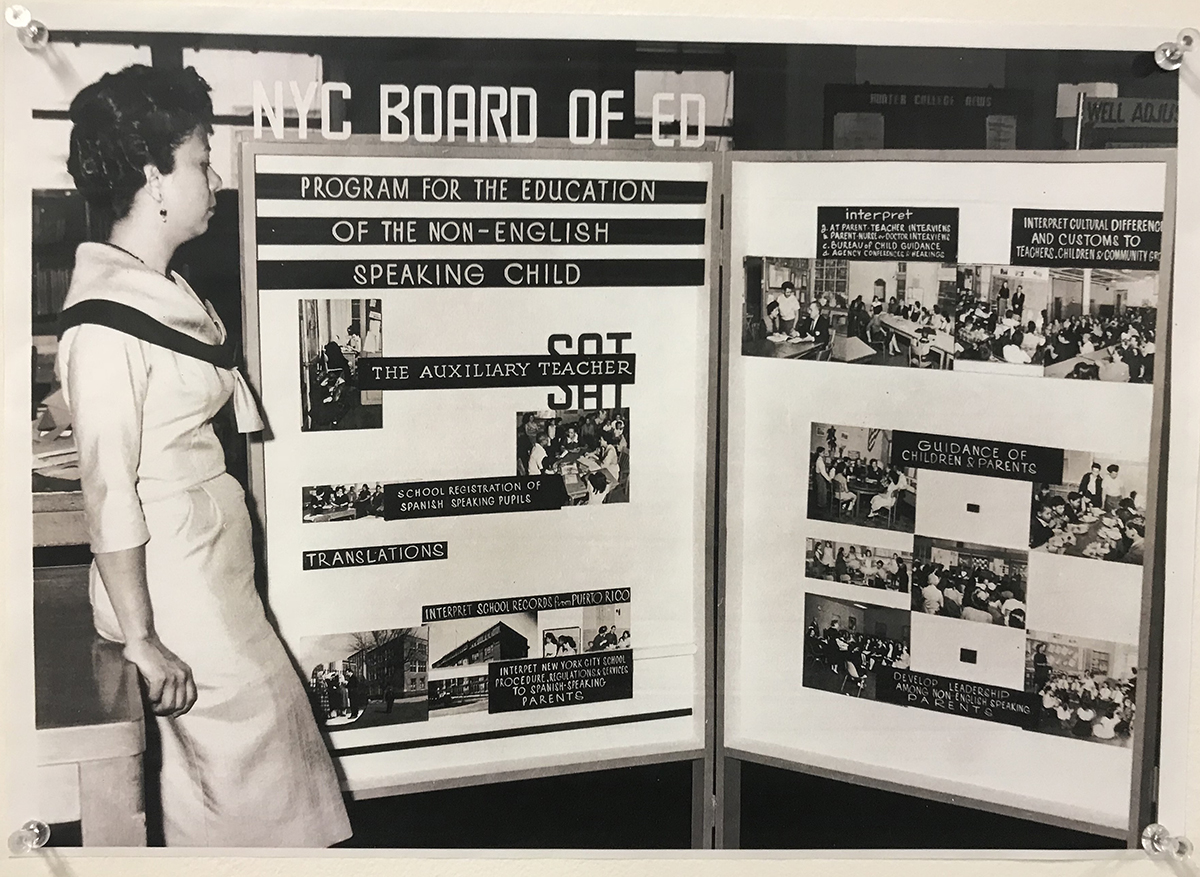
(871, 313)
(1098, 512)
(1078, 323)
(335, 334)
(978, 583)
(1087, 688)
(589, 449)
(846, 644)
(341, 502)
(367, 679)
(851, 479)
(859, 565)
(606, 628)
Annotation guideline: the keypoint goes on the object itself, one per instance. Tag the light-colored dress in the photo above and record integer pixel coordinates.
(246, 766)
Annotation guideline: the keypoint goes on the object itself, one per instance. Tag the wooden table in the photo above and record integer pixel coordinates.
(942, 342)
(89, 719)
(1063, 368)
(780, 349)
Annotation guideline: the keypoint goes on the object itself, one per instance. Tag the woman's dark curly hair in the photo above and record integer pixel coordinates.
(130, 119)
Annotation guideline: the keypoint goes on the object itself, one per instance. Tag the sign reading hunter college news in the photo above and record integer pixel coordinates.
(906, 234)
(1086, 239)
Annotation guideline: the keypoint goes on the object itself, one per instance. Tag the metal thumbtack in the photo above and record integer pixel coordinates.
(1157, 841)
(31, 33)
(1169, 56)
(29, 837)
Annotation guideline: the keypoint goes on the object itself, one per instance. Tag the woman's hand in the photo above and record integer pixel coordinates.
(169, 683)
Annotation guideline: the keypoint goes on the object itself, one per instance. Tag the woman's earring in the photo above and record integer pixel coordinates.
(162, 212)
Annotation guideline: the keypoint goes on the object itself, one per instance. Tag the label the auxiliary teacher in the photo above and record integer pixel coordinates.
(546, 682)
(904, 234)
(1086, 239)
(462, 372)
(975, 700)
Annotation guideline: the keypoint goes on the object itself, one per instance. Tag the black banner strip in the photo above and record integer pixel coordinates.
(1086, 238)
(506, 231)
(473, 496)
(373, 555)
(478, 273)
(606, 722)
(974, 700)
(433, 188)
(972, 456)
(464, 372)
(536, 603)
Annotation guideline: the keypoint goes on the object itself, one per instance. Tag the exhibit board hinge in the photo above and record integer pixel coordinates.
(721, 213)
(1154, 787)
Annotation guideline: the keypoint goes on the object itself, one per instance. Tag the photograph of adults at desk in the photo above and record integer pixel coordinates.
(835, 310)
(846, 644)
(1098, 512)
(1087, 687)
(859, 565)
(851, 479)
(1078, 323)
(972, 582)
(589, 449)
(342, 502)
(334, 335)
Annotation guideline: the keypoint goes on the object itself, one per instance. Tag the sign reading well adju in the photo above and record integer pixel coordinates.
(904, 234)
(1130, 112)
(1086, 238)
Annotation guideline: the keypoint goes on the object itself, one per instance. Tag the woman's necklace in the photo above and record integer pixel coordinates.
(133, 255)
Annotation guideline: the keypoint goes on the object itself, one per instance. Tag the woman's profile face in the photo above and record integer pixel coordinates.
(190, 190)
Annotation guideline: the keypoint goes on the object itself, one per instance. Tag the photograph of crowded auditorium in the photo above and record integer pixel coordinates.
(973, 582)
(1086, 688)
(1099, 511)
(846, 644)
(336, 334)
(341, 502)
(851, 479)
(871, 313)
(589, 449)
(1081, 323)
(859, 565)
(368, 678)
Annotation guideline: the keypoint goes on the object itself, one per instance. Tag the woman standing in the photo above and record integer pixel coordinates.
(145, 366)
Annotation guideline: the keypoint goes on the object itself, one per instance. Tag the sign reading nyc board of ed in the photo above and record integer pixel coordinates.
(487, 114)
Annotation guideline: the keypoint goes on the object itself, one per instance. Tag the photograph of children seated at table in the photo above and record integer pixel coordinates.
(1087, 689)
(871, 313)
(859, 565)
(334, 335)
(847, 644)
(342, 502)
(851, 479)
(1099, 511)
(1079, 323)
(972, 582)
(589, 449)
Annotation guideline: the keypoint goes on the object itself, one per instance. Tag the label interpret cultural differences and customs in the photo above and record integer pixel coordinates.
(562, 681)
(992, 703)
(1086, 239)
(973, 456)
(906, 234)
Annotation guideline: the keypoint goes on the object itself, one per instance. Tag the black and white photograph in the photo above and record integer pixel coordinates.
(589, 449)
(342, 502)
(336, 336)
(1078, 323)
(838, 310)
(1098, 512)
(846, 643)
(455, 695)
(851, 479)
(561, 641)
(979, 583)
(461, 641)
(367, 679)
(862, 565)
(606, 628)
(1087, 687)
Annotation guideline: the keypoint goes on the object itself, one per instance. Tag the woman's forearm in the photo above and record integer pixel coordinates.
(124, 576)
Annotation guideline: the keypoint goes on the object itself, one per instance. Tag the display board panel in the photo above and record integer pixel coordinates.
(935, 366)
(486, 382)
